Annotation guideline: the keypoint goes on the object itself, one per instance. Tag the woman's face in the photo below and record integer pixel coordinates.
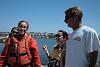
(59, 38)
(22, 28)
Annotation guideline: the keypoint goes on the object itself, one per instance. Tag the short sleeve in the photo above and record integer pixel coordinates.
(92, 42)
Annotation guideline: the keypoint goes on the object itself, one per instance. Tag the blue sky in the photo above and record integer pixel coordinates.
(46, 15)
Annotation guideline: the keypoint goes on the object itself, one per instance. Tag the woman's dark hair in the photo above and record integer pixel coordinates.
(25, 22)
(65, 34)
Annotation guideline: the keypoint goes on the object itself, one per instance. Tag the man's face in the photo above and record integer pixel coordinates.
(22, 28)
(70, 22)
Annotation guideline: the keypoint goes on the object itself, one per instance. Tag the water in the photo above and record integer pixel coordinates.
(50, 44)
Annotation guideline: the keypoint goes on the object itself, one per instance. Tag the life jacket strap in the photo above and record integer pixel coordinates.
(14, 55)
(23, 54)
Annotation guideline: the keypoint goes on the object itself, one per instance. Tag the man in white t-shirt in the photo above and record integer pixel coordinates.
(83, 44)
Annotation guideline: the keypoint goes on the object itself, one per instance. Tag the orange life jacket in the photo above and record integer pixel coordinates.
(19, 53)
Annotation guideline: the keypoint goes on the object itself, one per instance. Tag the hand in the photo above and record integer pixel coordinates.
(45, 50)
(44, 47)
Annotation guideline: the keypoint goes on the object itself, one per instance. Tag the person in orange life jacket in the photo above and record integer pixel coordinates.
(56, 58)
(24, 52)
(12, 36)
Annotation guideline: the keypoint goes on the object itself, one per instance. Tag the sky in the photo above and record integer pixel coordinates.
(46, 15)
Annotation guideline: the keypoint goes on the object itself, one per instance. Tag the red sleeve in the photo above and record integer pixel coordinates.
(35, 53)
(3, 55)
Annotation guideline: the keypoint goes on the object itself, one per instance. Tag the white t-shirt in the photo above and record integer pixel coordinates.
(81, 42)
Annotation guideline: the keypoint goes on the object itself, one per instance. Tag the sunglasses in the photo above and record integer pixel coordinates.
(14, 31)
(57, 35)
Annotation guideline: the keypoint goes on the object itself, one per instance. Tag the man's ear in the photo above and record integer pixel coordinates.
(76, 19)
